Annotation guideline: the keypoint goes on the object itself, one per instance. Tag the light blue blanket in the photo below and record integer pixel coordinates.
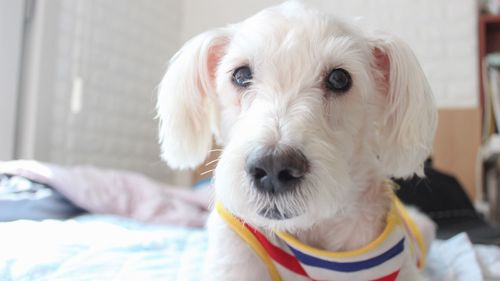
(99, 247)
(96, 247)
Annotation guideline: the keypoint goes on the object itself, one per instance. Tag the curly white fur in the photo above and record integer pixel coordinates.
(382, 127)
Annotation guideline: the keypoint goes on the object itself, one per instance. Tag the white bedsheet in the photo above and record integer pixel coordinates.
(100, 247)
(458, 259)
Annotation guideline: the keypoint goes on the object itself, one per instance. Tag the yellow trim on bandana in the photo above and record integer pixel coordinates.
(392, 221)
(413, 228)
(238, 227)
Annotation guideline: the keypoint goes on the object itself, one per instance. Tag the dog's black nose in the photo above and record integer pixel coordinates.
(277, 170)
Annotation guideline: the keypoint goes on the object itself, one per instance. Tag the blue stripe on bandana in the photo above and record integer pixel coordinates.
(349, 266)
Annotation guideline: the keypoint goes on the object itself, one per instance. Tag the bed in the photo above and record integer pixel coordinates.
(139, 244)
(99, 247)
(103, 247)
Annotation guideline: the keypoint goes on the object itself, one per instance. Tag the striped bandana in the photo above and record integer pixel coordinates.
(380, 260)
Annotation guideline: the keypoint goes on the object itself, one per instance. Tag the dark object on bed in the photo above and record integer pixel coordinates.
(21, 198)
(443, 198)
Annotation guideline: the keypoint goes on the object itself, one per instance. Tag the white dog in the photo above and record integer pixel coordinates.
(314, 114)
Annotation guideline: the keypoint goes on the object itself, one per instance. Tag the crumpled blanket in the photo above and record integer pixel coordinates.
(457, 259)
(104, 247)
(123, 193)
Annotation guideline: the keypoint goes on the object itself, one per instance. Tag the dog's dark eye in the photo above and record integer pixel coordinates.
(339, 81)
(242, 76)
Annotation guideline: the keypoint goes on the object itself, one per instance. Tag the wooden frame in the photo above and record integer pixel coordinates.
(489, 41)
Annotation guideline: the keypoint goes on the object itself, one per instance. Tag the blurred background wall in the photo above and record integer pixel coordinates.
(11, 26)
(89, 71)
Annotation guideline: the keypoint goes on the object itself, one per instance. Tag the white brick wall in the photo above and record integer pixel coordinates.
(442, 33)
(121, 52)
(118, 50)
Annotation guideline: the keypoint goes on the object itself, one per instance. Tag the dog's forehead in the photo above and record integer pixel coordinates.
(275, 27)
(276, 35)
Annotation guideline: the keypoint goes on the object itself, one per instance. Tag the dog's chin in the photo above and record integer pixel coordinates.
(273, 213)
(277, 221)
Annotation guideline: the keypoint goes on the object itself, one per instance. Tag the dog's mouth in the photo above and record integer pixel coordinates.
(274, 214)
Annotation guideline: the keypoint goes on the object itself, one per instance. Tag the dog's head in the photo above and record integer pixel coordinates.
(310, 109)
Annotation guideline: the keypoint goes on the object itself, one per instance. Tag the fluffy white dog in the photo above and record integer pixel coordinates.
(314, 114)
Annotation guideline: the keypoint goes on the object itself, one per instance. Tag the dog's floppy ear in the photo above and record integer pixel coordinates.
(187, 106)
(409, 117)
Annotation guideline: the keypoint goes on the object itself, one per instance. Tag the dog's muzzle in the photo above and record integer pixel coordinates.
(277, 170)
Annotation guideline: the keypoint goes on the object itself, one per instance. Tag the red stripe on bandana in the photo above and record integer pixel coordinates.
(277, 254)
(390, 277)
